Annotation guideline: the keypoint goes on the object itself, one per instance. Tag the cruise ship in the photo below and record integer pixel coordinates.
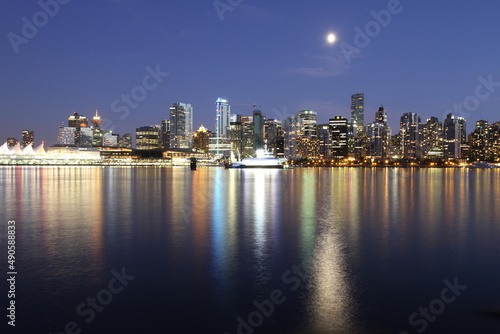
(263, 159)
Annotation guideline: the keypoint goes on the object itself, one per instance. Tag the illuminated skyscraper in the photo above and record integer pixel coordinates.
(200, 139)
(452, 137)
(339, 140)
(165, 133)
(410, 130)
(273, 137)
(290, 136)
(432, 138)
(28, 137)
(258, 130)
(358, 114)
(66, 136)
(222, 120)
(125, 141)
(378, 136)
(307, 121)
(11, 141)
(181, 125)
(77, 121)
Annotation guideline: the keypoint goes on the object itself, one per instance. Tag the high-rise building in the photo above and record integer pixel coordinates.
(410, 130)
(165, 133)
(381, 116)
(11, 141)
(325, 140)
(66, 136)
(479, 142)
(258, 130)
(148, 137)
(494, 141)
(222, 119)
(236, 135)
(28, 138)
(181, 125)
(222, 122)
(110, 139)
(358, 114)
(451, 137)
(339, 128)
(432, 139)
(200, 139)
(248, 127)
(125, 141)
(77, 121)
(307, 121)
(378, 135)
(86, 136)
(273, 137)
(290, 136)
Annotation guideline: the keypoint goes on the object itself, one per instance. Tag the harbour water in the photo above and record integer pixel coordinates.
(305, 250)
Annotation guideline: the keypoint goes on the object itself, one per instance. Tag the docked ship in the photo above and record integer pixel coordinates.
(263, 159)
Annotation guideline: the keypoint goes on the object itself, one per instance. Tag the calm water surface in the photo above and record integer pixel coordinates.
(333, 250)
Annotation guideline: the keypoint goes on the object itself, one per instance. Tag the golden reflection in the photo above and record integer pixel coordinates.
(331, 305)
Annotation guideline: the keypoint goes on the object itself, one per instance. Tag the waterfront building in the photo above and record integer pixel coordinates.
(290, 136)
(66, 136)
(236, 136)
(378, 135)
(248, 137)
(258, 130)
(11, 141)
(339, 137)
(358, 114)
(125, 141)
(273, 137)
(200, 139)
(77, 121)
(222, 122)
(165, 133)
(306, 124)
(148, 137)
(110, 139)
(86, 135)
(181, 125)
(479, 142)
(451, 138)
(325, 140)
(28, 138)
(432, 139)
(410, 130)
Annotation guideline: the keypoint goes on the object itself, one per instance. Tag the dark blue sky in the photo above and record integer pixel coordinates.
(272, 53)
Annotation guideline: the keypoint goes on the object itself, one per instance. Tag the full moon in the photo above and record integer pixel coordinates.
(331, 38)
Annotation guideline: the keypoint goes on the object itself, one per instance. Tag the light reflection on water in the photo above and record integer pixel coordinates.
(375, 244)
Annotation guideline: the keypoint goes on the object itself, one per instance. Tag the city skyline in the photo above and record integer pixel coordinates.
(282, 66)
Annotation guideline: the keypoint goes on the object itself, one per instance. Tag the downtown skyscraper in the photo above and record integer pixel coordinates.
(223, 110)
(221, 144)
(181, 125)
(358, 113)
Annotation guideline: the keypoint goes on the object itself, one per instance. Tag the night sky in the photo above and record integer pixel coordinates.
(86, 54)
